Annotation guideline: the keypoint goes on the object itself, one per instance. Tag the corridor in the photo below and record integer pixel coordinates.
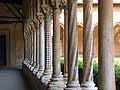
(12, 79)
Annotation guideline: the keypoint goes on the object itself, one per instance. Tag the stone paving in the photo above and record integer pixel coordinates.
(12, 79)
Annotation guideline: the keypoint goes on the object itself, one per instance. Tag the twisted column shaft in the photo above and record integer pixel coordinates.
(87, 83)
(73, 83)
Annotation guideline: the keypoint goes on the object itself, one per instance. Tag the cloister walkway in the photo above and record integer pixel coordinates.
(12, 79)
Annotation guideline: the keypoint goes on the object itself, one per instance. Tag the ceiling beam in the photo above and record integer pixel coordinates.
(12, 1)
(14, 14)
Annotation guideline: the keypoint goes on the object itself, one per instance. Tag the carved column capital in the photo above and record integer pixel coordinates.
(57, 6)
(40, 17)
(46, 9)
(25, 33)
(87, 1)
(36, 23)
(32, 26)
(25, 36)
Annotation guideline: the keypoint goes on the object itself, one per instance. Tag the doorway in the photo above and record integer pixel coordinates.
(2, 50)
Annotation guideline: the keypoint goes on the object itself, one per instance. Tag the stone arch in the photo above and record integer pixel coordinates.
(117, 39)
(80, 39)
(95, 40)
(61, 39)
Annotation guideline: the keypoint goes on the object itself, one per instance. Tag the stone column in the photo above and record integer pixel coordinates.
(65, 41)
(106, 45)
(48, 45)
(28, 46)
(34, 46)
(31, 60)
(87, 83)
(40, 17)
(25, 37)
(57, 81)
(73, 83)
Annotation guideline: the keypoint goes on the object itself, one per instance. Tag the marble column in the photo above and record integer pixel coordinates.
(65, 42)
(57, 81)
(27, 46)
(73, 83)
(87, 83)
(30, 38)
(40, 17)
(106, 45)
(34, 46)
(25, 37)
(48, 45)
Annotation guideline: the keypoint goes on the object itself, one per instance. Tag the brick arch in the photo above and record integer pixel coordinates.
(95, 40)
(117, 39)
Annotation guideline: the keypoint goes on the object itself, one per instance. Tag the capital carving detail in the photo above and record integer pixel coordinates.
(40, 17)
(46, 9)
(36, 23)
(32, 26)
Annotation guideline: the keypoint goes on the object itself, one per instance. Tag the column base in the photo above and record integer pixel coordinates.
(57, 83)
(26, 62)
(88, 86)
(29, 66)
(39, 73)
(73, 86)
(45, 78)
(35, 70)
(65, 78)
(32, 67)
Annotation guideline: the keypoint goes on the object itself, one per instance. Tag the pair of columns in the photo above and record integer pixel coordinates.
(52, 77)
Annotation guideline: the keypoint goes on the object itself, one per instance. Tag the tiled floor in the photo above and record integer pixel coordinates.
(12, 79)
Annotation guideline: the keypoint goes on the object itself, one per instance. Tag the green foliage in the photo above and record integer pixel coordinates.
(95, 69)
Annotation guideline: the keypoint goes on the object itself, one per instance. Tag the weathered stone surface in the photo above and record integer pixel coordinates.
(106, 46)
(45, 78)
(87, 47)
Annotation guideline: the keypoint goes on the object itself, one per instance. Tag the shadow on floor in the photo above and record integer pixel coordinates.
(12, 79)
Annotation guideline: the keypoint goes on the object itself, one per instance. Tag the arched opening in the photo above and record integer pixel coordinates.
(117, 40)
(61, 40)
(95, 41)
(80, 39)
